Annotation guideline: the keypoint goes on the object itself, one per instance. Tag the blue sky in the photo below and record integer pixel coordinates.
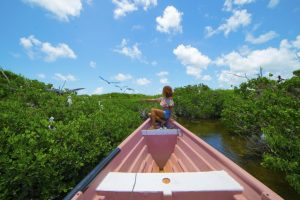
(146, 44)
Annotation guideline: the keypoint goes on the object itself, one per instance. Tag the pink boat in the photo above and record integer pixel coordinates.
(168, 164)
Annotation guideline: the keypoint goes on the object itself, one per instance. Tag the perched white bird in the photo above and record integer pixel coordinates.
(51, 121)
(100, 105)
(69, 101)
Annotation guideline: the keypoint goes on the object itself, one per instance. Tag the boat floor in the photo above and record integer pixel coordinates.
(188, 154)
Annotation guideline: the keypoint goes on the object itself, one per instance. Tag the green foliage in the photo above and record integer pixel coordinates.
(272, 108)
(199, 101)
(297, 73)
(260, 107)
(38, 162)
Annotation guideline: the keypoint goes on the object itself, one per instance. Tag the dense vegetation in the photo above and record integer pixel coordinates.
(41, 159)
(259, 108)
(199, 102)
(44, 160)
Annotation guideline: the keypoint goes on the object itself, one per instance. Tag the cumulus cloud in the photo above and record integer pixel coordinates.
(41, 76)
(273, 3)
(62, 77)
(143, 81)
(98, 90)
(296, 43)
(29, 42)
(122, 77)
(170, 22)
(133, 52)
(123, 7)
(206, 78)
(162, 77)
(59, 51)
(282, 60)
(238, 19)
(35, 47)
(228, 4)
(146, 3)
(89, 2)
(262, 38)
(93, 64)
(61, 9)
(226, 78)
(163, 80)
(162, 73)
(192, 59)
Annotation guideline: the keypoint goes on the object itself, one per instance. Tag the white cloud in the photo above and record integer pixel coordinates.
(61, 9)
(206, 78)
(62, 77)
(296, 43)
(262, 38)
(122, 77)
(41, 76)
(98, 90)
(143, 81)
(126, 6)
(133, 52)
(93, 64)
(228, 4)
(242, 2)
(192, 59)
(34, 47)
(60, 51)
(163, 80)
(162, 73)
(282, 60)
(244, 50)
(146, 3)
(273, 3)
(29, 42)
(238, 19)
(123, 7)
(226, 78)
(170, 22)
(89, 2)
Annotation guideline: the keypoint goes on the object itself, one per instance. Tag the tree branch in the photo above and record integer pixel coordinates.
(2, 71)
(245, 76)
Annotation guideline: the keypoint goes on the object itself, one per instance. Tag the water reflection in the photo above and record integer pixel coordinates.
(234, 147)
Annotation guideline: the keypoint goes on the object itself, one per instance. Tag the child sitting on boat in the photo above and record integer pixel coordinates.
(167, 104)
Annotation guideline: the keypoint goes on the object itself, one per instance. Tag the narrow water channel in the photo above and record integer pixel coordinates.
(235, 147)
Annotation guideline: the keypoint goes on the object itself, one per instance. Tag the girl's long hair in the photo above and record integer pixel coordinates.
(167, 91)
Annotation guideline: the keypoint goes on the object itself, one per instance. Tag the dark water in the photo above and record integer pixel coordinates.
(235, 148)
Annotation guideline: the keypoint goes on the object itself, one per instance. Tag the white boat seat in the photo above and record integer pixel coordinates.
(168, 184)
(161, 132)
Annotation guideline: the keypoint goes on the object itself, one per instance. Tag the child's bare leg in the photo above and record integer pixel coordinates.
(156, 114)
(153, 118)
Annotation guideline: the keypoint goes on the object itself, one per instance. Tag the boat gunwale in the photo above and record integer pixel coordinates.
(245, 178)
(235, 169)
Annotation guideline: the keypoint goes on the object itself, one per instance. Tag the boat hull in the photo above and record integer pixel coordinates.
(186, 153)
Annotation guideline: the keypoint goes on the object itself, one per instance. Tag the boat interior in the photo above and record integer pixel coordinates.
(165, 150)
(165, 155)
